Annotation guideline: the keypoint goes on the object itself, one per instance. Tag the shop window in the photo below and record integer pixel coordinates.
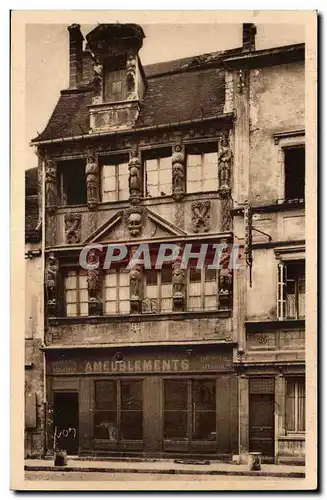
(116, 291)
(76, 293)
(190, 410)
(114, 178)
(72, 182)
(295, 405)
(202, 167)
(202, 289)
(291, 290)
(158, 290)
(118, 413)
(158, 172)
(114, 88)
(294, 159)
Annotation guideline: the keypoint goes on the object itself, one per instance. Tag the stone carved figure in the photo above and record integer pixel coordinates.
(178, 160)
(131, 74)
(135, 276)
(73, 228)
(224, 164)
(134, 220)
(178, 280)
(149, 305)
(91, 173)
(51, 275)
(201, 215)
(134, 180)
(97, 82)
(50, 185)
(93, 281)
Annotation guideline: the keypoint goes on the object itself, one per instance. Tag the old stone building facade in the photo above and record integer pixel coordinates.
(204, 150)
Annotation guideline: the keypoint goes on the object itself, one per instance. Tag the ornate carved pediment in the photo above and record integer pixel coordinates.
(135, 223)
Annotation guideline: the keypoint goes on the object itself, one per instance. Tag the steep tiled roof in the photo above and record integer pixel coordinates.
(32, 231)
(179, 90)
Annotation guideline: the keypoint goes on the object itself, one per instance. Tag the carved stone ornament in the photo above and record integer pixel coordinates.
(92, 186)
(201, 215)
(224, 166)
(225, 288)
(178, 280)
(225, 214)
(135, 177)
(51, 281)
(134, 218)
(149, 305)
(94, 285)
(135, 287)
(178, 168)
(50, 185)
(73, 228)
(131, 76)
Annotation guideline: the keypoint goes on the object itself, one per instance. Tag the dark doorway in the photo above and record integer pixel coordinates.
(65, 421)
(262, 417)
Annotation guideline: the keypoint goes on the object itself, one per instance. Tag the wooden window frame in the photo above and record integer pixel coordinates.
(202, 295)
(78, 271)
(156, 153)
(117, 271)
(282, 289)
(295, 381)
(159, 291)
(114, 163)
(117, 382)
(202, 154)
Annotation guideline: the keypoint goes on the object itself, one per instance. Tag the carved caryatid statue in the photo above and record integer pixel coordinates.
(178, 280)
(134, 180)
(91, 173)
(131, 75)
(224, 164)
(94, 282)
(178, 166)
(135, 276)
(51, 277)
(225, 288)
(50, 185)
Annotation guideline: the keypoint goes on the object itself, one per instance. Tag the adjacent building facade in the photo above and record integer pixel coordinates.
(200, 151)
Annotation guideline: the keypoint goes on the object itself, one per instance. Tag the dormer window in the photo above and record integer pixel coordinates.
(114, 85)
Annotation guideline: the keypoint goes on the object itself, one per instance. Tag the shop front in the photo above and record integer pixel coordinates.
(143, 401)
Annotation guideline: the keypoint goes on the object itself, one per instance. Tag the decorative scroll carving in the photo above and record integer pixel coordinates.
(92, 186)
(73, 228)
(135, 177)
(180, 215)
(50, 186)
(178, 167)
(201, 215)
(51, 280)
(131, 76)
(178, 280)
(224, 166)
(92, 222)
(94, 284)
(225, 288)
(135, 286)
(225, 214)
(134, 217)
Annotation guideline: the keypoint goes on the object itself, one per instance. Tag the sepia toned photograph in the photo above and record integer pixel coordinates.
(166, 178)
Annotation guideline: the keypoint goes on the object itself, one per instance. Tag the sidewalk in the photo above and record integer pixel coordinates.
(165, 467)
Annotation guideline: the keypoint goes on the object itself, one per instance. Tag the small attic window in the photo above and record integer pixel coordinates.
(115, 88)
(72, 183)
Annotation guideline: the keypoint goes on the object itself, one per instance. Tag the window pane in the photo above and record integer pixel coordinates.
(152, 291)
(166, 275)
(194, 289)
(194, 174)
(195, 275)
(132, 425)
(175, 425)
(71, 310)
(175, 394)
(210, 171)
(166, 291)
(204, 394)
(105, 395)
(124, 306)
(151, 165)
(301, 405)
(123, 277)
(110, 307)
(204, 425)
(193, 160)
(71, 296)
(110, 278)
(105, 425)
(194, 187)
(194, 303)
(210, 302)
(167, 304)
(132, 395)
(290, 405)
(151, 277)
(123, 293)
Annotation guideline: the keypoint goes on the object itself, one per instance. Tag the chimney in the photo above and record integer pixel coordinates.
(75, 55)
(249, 33)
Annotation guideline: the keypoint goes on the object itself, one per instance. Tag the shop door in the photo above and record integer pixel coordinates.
(262, 417)
(190, 416)
(65, 421)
